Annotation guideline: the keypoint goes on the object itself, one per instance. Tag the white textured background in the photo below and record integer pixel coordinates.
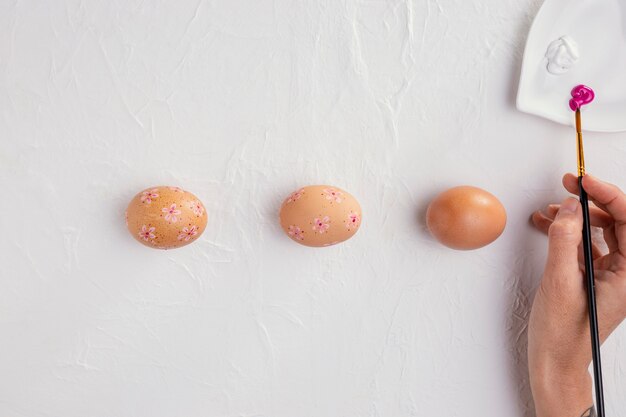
(242, 102)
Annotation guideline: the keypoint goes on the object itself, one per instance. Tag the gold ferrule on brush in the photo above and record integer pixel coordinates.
(579, 145)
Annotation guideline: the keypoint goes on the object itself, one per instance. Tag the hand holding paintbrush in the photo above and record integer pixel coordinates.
(564, 318)
(559, 351)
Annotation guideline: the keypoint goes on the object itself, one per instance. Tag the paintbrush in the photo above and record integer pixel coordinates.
(582, 95)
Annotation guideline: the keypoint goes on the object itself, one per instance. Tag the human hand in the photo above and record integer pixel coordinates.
(559, 342)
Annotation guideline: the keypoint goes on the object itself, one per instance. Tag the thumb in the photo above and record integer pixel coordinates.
(564, 237)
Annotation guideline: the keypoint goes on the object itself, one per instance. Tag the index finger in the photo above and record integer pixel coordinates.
(609, 196)
(570, 182)
(610, 199)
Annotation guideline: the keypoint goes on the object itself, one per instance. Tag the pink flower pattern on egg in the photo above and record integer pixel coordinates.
(149, 195)
(333, 195)
(320, 215)
(147, 233)
(166, 217)
(296, 233)
(354, 220)
(171, 213)
(295, 196)
(321, 225)
(187, 233)
(197, 208)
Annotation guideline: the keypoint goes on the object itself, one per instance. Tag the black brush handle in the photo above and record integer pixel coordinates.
(591, 300)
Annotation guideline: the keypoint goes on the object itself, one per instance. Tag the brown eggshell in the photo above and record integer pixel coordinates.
(320, 215)
(466, 218)
(165, 217)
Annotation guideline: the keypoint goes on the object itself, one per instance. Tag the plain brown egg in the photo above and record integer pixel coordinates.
(466, 218)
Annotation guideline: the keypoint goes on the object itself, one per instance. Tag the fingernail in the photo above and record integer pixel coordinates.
(552, 209)
(569, 205)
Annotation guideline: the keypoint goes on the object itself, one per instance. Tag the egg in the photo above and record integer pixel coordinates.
(466, 218)
(165, 217)
(320, 215)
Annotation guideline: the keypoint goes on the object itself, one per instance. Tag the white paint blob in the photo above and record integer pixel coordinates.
(562, 55)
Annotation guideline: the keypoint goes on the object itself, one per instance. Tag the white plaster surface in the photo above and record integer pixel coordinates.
(242, 102)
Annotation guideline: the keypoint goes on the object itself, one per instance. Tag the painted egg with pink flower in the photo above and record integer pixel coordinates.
(165, 217)
(320, 215)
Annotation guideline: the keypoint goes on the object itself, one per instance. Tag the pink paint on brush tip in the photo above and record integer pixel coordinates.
(581, 95)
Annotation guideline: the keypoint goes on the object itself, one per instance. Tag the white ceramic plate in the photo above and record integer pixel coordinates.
(598, 28)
